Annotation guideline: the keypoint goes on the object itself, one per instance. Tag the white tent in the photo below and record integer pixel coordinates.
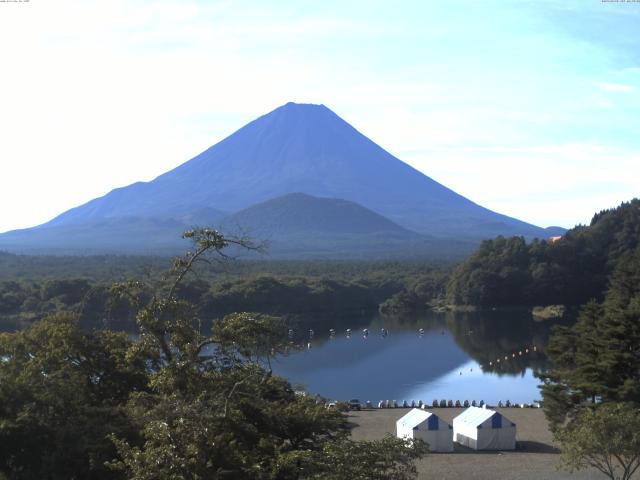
(484, 429)
(428, 427)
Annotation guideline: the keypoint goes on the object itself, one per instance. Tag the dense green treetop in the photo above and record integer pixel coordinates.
(598, 358)
(572, 270)
(606, 438)
(591, 395)
(292, 289)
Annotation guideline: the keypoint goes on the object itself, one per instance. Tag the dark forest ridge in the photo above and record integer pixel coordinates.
(297, 148)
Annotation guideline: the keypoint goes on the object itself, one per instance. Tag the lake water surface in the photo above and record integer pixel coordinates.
(455, 358)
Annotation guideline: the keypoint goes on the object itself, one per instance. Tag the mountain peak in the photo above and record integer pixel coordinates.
(302, 113)
(308, 106)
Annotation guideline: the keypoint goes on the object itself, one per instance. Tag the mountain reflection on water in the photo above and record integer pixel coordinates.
(442, 363)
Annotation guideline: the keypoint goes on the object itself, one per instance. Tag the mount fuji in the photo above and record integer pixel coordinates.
(300, 167)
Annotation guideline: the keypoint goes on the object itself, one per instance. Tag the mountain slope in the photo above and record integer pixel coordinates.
(303, 148)
(131, 235)
(253, 172)
(294, 226)
(298, 224)
(299, 213)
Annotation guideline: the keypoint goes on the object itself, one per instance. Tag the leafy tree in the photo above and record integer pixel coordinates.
(598, 358)
(251, 336)
(422, 292)
(606, 438)
(61, 394)
(592, 394)
(389, 458)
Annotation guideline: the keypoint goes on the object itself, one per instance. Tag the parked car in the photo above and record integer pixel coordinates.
(354, 404)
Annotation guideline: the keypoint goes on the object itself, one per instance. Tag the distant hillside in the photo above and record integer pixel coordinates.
(571, 270)
(298, 213)
(131, 235)
(295, 148)
(298, 224)
(293, 226)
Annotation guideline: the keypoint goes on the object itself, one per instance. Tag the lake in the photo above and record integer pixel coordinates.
(457, 357)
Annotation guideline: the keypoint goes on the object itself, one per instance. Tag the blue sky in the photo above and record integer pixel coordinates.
(530, 108)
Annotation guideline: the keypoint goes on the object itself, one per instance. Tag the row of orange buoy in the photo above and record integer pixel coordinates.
(513, 355)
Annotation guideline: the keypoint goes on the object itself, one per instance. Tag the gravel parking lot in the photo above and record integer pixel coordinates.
(536, 457)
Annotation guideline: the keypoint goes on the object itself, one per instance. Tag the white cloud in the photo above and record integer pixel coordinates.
(615, 87)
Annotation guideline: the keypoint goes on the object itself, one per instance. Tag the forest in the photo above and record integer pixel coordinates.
(570, 271)
(33, 287)
(78, 403)
(502, 272)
